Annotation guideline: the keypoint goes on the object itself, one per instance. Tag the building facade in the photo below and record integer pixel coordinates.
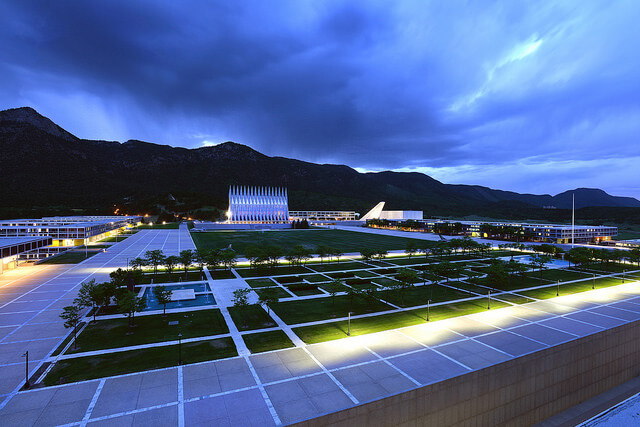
(258, 205)
(323, 215)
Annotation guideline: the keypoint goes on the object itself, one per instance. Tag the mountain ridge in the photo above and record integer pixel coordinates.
(43, 163)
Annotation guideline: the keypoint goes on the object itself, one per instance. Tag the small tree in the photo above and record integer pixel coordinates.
(322, 251)
(267, 297)
(186, 258)
(407, 278)
(154, 258)
(367, 254)
(129, 304)
(381, 253)
(201, 260)
(71, 316)
(333, 288)
(213, 259)
(90, 295)
(241, 301)
(228, 258)
(138, 263)
(163, 295)
(170, 263)
(411, 248)
(335, 252)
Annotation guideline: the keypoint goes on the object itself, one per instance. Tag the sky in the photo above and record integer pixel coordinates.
(529, 96)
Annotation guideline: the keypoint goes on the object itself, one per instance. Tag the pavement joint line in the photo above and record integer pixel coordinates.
(30, 274)
(330, 375)
(31, 340)
(263, 392)
(15, 391)
(131, 412)
(435, 349)
(400, 371)
(62, 352)
(180, 397)
(509, 330)
(92, 405)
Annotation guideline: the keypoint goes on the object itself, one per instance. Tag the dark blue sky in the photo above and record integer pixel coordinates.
(526, 96)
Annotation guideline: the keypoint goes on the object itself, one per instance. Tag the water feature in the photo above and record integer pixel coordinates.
(203, 296)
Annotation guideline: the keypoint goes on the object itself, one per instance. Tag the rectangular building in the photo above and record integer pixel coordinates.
(14, 248)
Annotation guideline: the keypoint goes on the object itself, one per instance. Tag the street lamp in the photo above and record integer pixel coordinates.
(180, 348)
(428, 301)
(26, 369)
(489, 305)
(558, 289)
(349, 325)
(593, 283)
(623, 271)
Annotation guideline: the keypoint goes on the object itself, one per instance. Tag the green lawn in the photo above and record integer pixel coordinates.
(305, 292)
(260, 283)
(280, 293)
(316, 278)
(70, 258)
(346, 241)
(253, 317)
(407, 261)
(267, 341)
(86, 368)
(175, 276)
(611, 268)
(292, 312)
(572, 288)
(112, 333)
(365, 274)
(326, 267)
(367, 325)
(116, 239)
(419, 295)
(275, 271)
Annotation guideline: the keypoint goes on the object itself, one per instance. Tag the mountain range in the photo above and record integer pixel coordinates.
(44, 165)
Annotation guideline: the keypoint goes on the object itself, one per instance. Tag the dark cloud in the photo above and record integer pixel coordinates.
(450, 88)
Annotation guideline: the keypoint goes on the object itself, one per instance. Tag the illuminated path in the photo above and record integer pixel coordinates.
(290, 385)
(32, 297)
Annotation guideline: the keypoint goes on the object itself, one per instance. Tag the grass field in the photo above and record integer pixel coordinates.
(572, 288)
(254, 317)
(346, 241)
(86, 368)
(112, 333)
(419, 295)
(267, 341)
(292, 312)
(367, 325)
(279, 292)
(69, 258)
(175, 276)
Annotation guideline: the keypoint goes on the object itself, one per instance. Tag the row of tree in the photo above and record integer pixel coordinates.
(212, 259)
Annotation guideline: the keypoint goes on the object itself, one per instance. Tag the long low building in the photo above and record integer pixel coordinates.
(14, 248)
(551, 233)
(323, 215)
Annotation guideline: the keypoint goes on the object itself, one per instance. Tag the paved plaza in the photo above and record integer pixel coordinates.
(272, 388)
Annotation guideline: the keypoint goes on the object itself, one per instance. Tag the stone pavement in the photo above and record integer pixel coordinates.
(286, 386)
(32, 297)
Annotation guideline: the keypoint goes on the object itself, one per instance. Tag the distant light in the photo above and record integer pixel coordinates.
(164, 222)
(150, 223)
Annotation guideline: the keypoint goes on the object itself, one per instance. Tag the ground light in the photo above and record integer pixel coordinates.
(428, 302)
(489, 305)
(593, 282)
(349, 324)
(26, 369)
(558, 289)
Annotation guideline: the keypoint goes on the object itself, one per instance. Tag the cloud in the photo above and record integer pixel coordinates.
(444, 87)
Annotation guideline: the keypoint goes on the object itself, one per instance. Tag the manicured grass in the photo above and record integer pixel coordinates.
(275, 271)
(514, 298)
(366, 325)
(365, 274)
(292, 312)
(316, 278)
(167, 226)
(556, 274)
(221, 274)
(267, 341)
(407, 261)
(70, 258)
(279, 292)
(112, 333)
(572, 288)
(116, 239)
(260, 283)
(66, 341)
(326, 267)
(305, 292)
(419, 295)
(383, 281)
(346, 241)
(325, 286)
(611, 268)
(86, 368)
(253, 317)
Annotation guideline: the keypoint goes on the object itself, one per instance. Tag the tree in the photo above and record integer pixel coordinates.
(367, 254)
(407, 278)
(333, 288)
(138, 263)
(90, 295)
(322, 251)
(411, 248)
(163, 295)
(351, 295)
(228, 258)
(241, 301)
(496, 274)
(201, 260)
(426, 250)
(268, 296)
(445, 269)
(539, 261)
(381, 253)
(634, 256)
(335, 252)
(129, 304)
(213, 259)
(186, 258)
(170, 263)
(154, 258)
(71, 316)
(273, 253)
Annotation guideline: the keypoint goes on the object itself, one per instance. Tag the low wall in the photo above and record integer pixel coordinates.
(518, 392)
